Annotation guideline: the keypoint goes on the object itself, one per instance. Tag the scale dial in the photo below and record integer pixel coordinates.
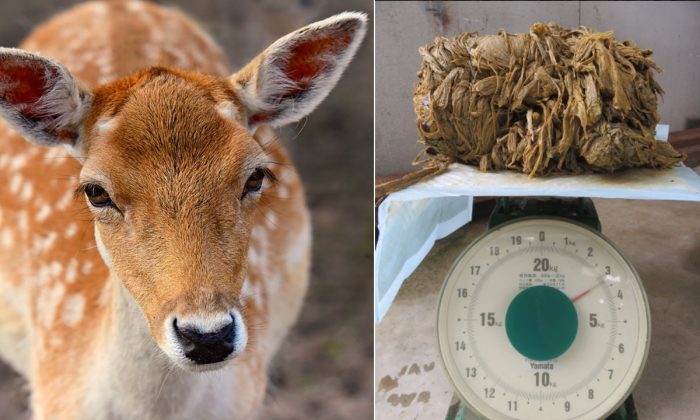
(543, 318)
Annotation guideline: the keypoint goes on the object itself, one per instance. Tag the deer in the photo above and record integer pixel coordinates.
(154, 235)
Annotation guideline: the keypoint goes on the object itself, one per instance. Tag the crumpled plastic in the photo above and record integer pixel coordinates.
(551, 100)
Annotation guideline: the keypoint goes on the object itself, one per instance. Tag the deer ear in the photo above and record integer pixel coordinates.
(40, 98)
(291, 77)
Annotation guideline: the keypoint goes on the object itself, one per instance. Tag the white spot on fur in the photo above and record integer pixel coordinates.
(102, 62)
(15, 183)
(73, 309)
(271, 219)
(198, 57)
(258, 235)
(44, 243)
(65, 200)
(152, 52)
(282, 192)
(286, 175)
(181, 60)
(55, 269)
(43, 275)
(71, 271)
(43, 213)
(87, 267)
(75, 45)
(55, 156)
(27, 190)
(252, 292)
(71, 230)
(48, 302)
(99, 9)
(253, 256)
(7, 238)
(134, 6)
(23, 221)
(18, 162)
(4, 161)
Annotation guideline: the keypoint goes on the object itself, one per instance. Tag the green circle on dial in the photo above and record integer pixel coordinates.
(541, 323)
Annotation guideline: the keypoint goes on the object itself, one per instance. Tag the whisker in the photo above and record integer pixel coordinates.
(162, 384)
(305, 120)
(62, 157)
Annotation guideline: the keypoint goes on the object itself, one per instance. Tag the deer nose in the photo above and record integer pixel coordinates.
(206, 347)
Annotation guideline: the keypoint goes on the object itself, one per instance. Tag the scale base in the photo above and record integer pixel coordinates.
(459, 411)
(580, 209)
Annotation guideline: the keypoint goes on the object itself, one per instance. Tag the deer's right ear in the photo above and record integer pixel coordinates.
(41, 99)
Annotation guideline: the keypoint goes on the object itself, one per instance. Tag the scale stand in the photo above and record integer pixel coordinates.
(459, 411)
(507, 209)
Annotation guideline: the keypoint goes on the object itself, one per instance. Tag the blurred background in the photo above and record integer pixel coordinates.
(325, 367)
(670, 29)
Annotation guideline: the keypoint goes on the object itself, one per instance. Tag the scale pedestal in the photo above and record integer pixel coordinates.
(507, 209)
(411, 220)
(459, 411)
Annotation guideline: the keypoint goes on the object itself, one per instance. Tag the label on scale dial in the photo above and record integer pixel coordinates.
(543, 318)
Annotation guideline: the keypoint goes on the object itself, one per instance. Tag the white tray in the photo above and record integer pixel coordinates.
(411, 220)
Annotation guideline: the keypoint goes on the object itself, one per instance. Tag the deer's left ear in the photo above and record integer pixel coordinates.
(292, 76)
(41, 99)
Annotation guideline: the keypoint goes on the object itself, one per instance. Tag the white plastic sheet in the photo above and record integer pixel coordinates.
(411, 220)
(408, 229)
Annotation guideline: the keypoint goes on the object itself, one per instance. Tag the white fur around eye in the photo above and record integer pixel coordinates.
(104, 253)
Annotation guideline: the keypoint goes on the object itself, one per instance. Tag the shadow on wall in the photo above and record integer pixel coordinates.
(324, 369)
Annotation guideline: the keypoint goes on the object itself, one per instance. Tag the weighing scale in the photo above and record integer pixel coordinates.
(542, 317)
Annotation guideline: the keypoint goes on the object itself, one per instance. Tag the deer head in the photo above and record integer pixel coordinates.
(172, 171)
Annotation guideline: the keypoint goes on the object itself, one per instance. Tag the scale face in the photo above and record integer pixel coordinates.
(543, 318)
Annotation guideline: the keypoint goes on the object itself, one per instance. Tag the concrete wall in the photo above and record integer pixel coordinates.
(670, 29)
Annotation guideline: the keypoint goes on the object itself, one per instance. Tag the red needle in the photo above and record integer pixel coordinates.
(585, 293)
(582, 294)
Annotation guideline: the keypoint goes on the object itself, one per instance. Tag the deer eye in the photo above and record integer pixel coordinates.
(97, 196)
(254, 182)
